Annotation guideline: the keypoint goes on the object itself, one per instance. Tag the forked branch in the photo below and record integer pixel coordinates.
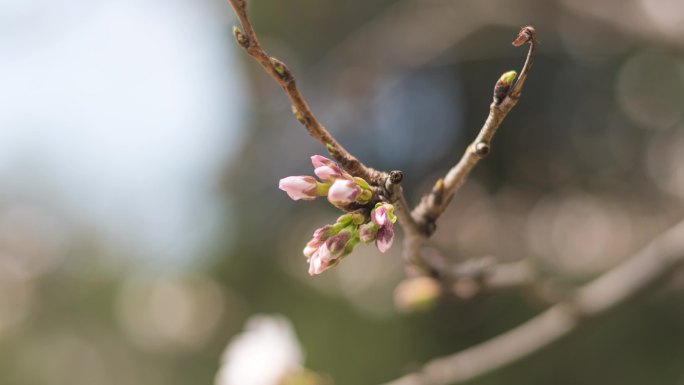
(505, 98)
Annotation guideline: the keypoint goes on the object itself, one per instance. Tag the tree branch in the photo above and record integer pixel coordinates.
(300, 108)
(635, 274)
(433, 204)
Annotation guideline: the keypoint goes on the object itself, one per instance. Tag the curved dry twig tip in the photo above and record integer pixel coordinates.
(526, 35)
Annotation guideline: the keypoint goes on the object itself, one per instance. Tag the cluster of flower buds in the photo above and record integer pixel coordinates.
(340, 187)
(331, 243)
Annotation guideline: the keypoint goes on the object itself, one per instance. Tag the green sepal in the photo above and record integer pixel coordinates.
(322, 189)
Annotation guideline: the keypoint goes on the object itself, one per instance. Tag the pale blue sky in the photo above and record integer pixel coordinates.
(120, 115)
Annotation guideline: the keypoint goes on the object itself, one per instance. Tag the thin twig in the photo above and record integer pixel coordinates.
(433, 204)
(283, 76)
(637, 273)
(488, 274)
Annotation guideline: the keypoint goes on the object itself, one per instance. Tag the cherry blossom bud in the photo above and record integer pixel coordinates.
(336, 245)
(379, 216)
(317, 265)
(385, 237)
(368, 232)
(383, 217)
(322, 233)
(328, 173)
(311, 248)
(327, 170)
(343, 192)
(383, 213)
(318, 161)
(332, 250)
(300, 187)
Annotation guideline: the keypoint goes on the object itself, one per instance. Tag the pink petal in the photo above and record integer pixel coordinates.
(343, 192)
(311, 248)
(317, 265)
(318, 161)
(385, 238)
(379, 216)
(299, 187)
(328, 173)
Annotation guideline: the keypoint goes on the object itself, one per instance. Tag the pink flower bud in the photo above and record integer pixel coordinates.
(328, 173)
(318, 161)
(322, 233)
(321, 260)
(324, 253)
(379, 216)
(385, 237)
(299, 187)
(317, 265)
(368, 232)
(343, 192)
(335, 245)
(311, 248)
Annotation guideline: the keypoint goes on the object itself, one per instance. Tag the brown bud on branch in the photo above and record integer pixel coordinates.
(527, 34)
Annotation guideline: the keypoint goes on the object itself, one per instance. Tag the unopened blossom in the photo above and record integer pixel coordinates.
(319, 264)
(327, 170)
(266, 353)
(334, 247)
(385, 237)
(379, 215)
(311, 248)
(328, 173)
(319, 160)
(383, 216)
(300, 187)
(332, 250)
(368, 232)
(319, 236)
(331, 243)
(343, 192)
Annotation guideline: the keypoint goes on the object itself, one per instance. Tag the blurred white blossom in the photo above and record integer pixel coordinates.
(265, 353)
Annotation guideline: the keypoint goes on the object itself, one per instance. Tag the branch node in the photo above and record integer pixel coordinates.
(396, 176)
(298, 115)
(430, 227)
(481, 149)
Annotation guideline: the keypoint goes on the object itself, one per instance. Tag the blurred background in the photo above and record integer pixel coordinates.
(140, 150)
